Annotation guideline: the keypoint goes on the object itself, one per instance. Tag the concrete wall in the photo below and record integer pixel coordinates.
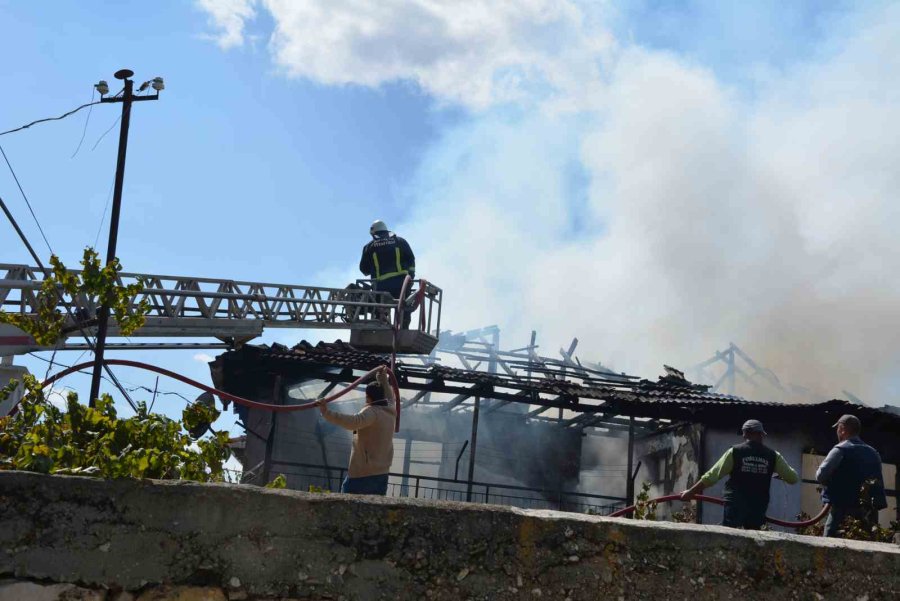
(155, 540)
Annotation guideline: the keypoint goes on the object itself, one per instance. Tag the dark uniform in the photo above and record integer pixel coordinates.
(388, 259)
(750, 467)
(848, 465)
(747, 489)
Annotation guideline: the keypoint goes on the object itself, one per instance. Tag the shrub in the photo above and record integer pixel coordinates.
(94, 441)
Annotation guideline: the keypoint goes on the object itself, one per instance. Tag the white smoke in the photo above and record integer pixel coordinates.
(665, 213)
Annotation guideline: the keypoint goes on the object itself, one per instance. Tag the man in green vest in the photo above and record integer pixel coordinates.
(750, 466)
(388, 259)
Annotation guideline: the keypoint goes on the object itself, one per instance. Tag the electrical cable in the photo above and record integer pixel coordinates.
(103, 135)
(132, 388)
(105, 209)
(27, 202)
(86, 121)
(72, 112)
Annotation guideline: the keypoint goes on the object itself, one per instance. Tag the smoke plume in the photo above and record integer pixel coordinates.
(633, 198)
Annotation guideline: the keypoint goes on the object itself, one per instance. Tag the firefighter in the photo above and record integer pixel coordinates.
(750, 466)
(387, 260)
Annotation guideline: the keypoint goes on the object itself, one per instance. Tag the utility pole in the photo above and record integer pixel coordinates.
(126, 99)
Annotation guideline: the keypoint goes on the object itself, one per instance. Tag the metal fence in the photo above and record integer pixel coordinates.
(306, 476)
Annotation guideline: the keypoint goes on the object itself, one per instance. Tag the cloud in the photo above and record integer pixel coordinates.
(228, 18)
(473, 52)
(203, 358)
(664, 213)
(707, 218)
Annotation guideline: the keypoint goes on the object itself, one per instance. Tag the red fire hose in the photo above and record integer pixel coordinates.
(398, 323)
(718, 501)
(221, 393)
(398, 320)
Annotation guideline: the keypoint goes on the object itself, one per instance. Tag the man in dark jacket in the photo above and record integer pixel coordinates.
(849, 464)
(387, 259)
(750, 466)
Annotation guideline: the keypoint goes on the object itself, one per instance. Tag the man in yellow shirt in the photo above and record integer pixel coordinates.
(750, 466)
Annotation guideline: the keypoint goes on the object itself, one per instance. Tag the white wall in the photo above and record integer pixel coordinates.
(7, 373)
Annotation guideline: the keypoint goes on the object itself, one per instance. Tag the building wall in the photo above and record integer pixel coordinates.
(7, 373)
(669, 462)
(510, 451)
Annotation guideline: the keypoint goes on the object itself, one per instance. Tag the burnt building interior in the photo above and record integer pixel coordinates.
(513, 427)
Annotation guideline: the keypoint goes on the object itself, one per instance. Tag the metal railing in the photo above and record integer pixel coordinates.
(451, 489)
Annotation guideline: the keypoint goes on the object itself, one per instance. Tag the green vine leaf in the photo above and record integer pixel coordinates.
(94, 285)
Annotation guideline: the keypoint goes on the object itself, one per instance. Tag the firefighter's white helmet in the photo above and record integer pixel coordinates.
(378, 227)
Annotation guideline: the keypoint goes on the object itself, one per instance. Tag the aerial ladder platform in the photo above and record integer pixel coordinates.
(232, 311)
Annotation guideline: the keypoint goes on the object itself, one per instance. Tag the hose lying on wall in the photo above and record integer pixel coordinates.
(668, 498)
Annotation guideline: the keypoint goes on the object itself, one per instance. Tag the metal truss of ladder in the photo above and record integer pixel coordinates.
(230, 310)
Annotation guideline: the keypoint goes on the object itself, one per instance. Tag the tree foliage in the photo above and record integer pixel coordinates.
(94, 285)
(94, 441)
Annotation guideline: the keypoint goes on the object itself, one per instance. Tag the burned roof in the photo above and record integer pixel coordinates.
(671, 397)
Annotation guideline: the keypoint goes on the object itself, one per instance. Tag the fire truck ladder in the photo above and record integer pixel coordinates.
(234, 311)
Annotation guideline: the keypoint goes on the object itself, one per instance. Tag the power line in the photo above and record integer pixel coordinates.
(132, 388)
(103, 216)
(15, 225)
(40, 229)
(103, 135)
(72, 112)
(86, 121)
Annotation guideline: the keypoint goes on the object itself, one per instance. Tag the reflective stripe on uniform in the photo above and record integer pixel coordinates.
(380, 276)
(391, 275)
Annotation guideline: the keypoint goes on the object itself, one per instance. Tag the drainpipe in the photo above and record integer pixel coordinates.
(701, 467)
(270, 439)
(472, 452)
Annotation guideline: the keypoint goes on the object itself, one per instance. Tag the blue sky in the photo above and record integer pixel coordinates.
(268, 159)
(235, 172)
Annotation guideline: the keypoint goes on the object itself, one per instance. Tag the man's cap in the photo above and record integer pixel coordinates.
(849, 420)
(753, 425)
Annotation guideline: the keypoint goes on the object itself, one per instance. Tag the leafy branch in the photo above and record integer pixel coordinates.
(94, 285)
(95, 441)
